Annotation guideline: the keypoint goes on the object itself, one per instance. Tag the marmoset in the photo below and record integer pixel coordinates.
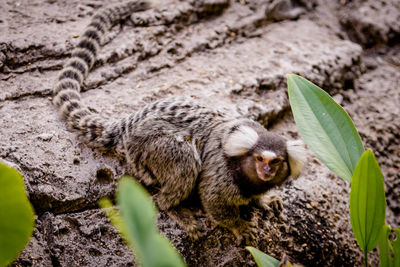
(177, 144)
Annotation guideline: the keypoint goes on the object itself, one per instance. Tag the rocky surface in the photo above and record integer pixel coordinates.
(233, 52)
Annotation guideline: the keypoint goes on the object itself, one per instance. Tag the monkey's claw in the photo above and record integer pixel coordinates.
(247, 235)
(192, 229)
(185, 218)
(194, 233)
(272, 203)
(276, 205)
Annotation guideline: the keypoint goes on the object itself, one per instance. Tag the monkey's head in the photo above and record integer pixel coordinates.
(264, 157)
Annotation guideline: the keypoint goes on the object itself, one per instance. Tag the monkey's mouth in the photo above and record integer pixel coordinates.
(265, 176)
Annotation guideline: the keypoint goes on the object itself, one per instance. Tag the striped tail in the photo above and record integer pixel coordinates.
(94, 130)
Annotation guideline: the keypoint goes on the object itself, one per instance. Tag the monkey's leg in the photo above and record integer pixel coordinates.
(228, 216)
(270, 205)
(164, 155)
(176, 165)
(185, 218)
(169, 160)
(159, 152)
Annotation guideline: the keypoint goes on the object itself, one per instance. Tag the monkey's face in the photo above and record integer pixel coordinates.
(265, 166)
(263, 157)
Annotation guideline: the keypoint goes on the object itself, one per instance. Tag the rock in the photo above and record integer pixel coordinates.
(37, 252)
(371, 22)
(45, 137)
(228, 51)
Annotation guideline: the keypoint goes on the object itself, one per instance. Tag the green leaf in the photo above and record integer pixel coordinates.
(396, 248)
(389, 252)
(262, 259)
(16, 215)
(325, 126)
(113, 214)
(367, 202)
(115, 218)
(138, 224)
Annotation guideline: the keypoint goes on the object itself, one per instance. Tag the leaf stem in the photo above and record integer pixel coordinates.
(366, 259)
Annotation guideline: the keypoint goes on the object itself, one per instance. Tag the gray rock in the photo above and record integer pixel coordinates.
(371, 22)
(228, 51)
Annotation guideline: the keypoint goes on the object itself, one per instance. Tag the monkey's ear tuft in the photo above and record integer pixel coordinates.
(297, 157)
(240, 141)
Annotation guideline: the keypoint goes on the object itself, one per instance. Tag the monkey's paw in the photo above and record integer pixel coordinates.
(246, 235)
(276, 206)
(193, 232)
(185, 218)
(272, 203)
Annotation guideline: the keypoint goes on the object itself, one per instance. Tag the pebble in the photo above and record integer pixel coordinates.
(45, 137)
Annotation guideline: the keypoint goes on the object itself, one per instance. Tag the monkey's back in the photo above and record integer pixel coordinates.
(176, 115)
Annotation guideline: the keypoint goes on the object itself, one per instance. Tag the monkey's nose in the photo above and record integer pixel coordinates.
(266, 169)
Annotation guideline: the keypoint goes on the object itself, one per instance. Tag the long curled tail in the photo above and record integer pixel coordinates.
(94, 130)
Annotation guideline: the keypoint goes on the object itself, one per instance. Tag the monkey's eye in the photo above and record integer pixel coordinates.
(259, 158)
(275, 161)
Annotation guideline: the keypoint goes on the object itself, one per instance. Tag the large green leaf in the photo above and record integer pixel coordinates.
(389, 252)
(325, 126)
(16, 215)
(396, 248)
(137, 222)
(367, 202)
(115, 218)
(262, 259)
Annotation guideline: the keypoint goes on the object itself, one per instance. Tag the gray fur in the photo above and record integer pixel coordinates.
(174, 143)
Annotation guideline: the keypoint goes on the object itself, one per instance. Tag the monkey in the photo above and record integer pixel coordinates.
(178, 144)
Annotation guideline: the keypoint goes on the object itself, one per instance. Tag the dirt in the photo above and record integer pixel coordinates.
(236, 53)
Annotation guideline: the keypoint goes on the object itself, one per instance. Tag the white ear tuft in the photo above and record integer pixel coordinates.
(297, 157)
(240, 141)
